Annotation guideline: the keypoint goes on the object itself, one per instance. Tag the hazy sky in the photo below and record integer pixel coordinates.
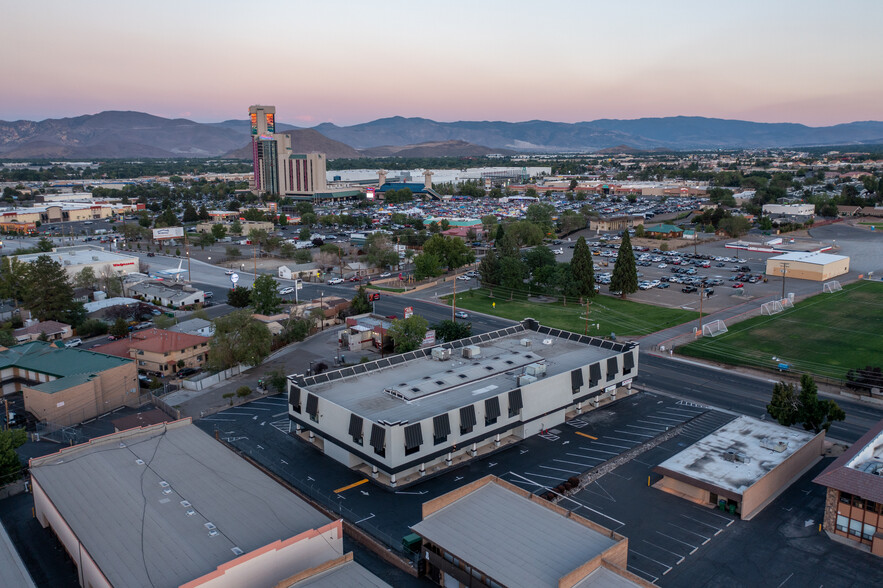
(347, 62)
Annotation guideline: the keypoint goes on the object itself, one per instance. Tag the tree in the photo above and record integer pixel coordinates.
(44, 245)
(639, 231)
(360, 303)
(540, 214)
(735, 226)
(239, 297)
(48, 293)
(427, 265)
(232, 251)
(190, 214)
(85, 278)
(448, 330)
(450, 251)
(264, 296)
(12, 278)
(407, 334)
(166, 218)
(219, 231)
(380, 251)
(238, 340)
(120, 328)
(300, 255)
(783, 405)
(625, 272)
(500, 233)
(582, 269)
(206, 239)
(489, 271)
(163, 321)
(236, 227)
(512, 272)
(203, 213)
(304, 234)
(10, 464)
(815, 414)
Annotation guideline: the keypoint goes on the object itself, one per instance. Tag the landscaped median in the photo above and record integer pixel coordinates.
(826, 335)
(606, 314)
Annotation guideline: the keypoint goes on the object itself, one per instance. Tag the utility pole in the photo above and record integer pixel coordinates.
(454, 303)
(586, 329)
(701, 296)
(254, 250)
(784, 271)
(187, 252)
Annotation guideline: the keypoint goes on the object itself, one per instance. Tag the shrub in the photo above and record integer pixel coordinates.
(243, 391)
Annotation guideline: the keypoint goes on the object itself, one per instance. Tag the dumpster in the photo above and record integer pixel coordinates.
(411, 543)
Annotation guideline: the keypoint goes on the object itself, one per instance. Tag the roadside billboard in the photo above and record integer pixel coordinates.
(168, 233)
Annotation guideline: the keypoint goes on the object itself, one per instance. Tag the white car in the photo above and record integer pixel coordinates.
(228, 273)
(558, 252)
(385, 275)
(74, 342)
(334, 281)
(464, 277)
(662, 266)
(286, 290)
(461, 314)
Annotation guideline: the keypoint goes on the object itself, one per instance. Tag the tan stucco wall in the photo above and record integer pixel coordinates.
(697, 494)
(808, 271)
(780, 477)
(111, 389)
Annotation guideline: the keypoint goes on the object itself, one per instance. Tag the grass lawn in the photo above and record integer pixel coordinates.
(826, 334)
(612, 315)
(877, 226)
(384, 288)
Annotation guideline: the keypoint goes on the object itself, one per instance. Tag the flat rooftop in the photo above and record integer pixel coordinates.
(141, 502)
(809, 257)
(738, 454)
(516, 541)
(412, 387)
(79, 255)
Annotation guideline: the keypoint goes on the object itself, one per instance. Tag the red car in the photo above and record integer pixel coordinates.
(355, 278)
(738, 285)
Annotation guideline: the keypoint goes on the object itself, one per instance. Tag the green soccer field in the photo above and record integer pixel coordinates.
(606, 314)
(826, 334)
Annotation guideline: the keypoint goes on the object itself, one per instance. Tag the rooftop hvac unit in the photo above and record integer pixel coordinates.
(525, 342)
(441, 353)
(735, 456)
(525, 380)
(471, 351)
(535, 369)
(773, 445)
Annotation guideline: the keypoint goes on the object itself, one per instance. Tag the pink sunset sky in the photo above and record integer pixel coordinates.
(346, 62)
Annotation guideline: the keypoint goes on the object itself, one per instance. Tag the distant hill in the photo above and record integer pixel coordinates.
(115, 134)
(434, 149)
(305, 141)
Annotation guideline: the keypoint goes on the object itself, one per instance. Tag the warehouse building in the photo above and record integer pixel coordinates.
(402, 417)
(854, 500)
(167, 505)
(808, 265)
(742, 466)
(492, 533)
(76, 258)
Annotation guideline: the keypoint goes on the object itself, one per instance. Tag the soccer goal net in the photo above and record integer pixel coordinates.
(771, 308)
(714, 328)
(786, 303)
(832, 286)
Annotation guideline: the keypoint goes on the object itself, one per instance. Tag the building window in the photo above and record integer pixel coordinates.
(869, 532)
(842, 524)
(845, 498)
(858, 502)
(872, 506)
(855, 527)
(441, 428)
(413, 438)
(356, 429)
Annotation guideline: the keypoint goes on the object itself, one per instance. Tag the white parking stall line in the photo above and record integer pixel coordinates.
(667, 567)
(678, 411)
(635, 434)
(647, 575)
(585, 465)
(587, 456)
(690, 545)
(580, 505)
(230, 413)
(689, 531)
(256, 408)
(666, 425)
(612, 445)
(219, 420)
(715, 527)
(559, 478)
(666, 550)
(279, 414)
(646, 428)
(560, 470)
(581, 448)
(632, 441)
(653, 416)
(271, 403)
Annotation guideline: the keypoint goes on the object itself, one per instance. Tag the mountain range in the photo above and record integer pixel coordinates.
(116, 134)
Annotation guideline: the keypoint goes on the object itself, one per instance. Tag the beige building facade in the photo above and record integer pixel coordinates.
(815, 266)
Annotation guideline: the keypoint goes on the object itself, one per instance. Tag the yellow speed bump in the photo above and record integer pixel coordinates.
(345, 488)
(584, 435)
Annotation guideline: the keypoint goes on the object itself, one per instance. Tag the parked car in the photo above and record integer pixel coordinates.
(689, 289)
(208, 294)
(356, 279)
(75, 342)
(151, 254)
(464, 277)
(662, 285)
(286, 290)
(738, 285)
(187, 371)
(334, 281)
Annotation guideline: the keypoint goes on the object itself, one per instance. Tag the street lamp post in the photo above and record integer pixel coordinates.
(784, 271)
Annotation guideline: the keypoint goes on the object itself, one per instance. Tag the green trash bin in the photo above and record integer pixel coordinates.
(732, 509)
(722, 505)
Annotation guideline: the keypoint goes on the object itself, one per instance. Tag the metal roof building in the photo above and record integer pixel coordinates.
(492, 533)
(167, 505)
(401, 417)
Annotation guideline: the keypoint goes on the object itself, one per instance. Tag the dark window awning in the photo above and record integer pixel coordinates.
(612, 368)
(294, 398)
(467, 417)
(492, 407)
(628, 362)
(355, 426)
(378, 437)
(413, 436)
(576, 379)
(594, 374)
(441, 425)
(312, 404)
(515, 403)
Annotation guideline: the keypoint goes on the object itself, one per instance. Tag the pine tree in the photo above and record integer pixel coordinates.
(48, 293)
(489, 271)
(203, 213)
(190, 214)
(625, 272)
(582, 269)
(500, 233)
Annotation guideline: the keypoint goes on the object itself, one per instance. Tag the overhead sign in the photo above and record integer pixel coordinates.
(409, 311)
(168, 233)
(428, 339)
(234, 278)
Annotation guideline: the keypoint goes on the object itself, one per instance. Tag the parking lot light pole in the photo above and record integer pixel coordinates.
(784, 271)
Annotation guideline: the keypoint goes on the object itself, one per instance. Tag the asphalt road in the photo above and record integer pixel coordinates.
(740, 393)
